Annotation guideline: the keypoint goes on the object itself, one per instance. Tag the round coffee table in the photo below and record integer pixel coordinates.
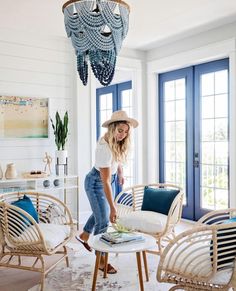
(131, 247)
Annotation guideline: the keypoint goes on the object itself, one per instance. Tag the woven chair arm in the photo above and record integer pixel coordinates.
(187, 253)
(217, 216)
(19, 227)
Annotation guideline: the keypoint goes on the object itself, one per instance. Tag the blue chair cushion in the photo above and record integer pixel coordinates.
(226, 242)
(26, 204)
(158, 199)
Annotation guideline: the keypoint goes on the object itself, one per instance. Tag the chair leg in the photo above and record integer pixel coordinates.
(159, 245)
(67, 259)
(42, 273)
(42, 281)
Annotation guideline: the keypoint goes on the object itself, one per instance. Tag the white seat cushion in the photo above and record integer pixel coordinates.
(145, 221)
(53, 234)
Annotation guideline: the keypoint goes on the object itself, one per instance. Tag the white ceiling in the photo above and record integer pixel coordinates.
(152, 22)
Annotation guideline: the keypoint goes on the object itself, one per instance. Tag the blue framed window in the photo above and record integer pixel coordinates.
(109, 99)
(193, 127)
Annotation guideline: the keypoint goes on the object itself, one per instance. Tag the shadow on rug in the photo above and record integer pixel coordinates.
(78, 277)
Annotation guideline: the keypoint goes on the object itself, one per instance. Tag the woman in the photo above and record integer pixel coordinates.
(111, 152)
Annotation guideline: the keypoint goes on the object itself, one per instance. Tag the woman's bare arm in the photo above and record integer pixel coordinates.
(105, 174)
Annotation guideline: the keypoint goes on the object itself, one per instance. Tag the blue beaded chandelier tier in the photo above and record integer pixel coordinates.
(97, 29)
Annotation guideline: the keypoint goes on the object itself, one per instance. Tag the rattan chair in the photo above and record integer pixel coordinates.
(21, 236)
(202, 258)
(162, 227)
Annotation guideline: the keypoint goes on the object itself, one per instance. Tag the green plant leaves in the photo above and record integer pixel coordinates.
(60, 130)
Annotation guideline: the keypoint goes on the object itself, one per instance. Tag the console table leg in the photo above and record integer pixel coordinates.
(98, 257)
(140, 275)
(145, 265)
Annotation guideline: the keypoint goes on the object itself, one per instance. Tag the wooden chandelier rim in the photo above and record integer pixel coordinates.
(73, 1)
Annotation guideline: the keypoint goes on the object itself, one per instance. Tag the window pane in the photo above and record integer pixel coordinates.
(169, 131)
(208, 130)
(221, 199)
(221, 129)
(208, 107)
(221, 177)
(170, 172)
(221, 153)
(169, 90)
(126, 98)
(180, 131)
(221, 106)
(180, 151)
(207, 176)
(207, 152)
(180, 110)
(169, 110)
(170, 151)
(207, 84)
(180, 174)
(180, 89)
(207, 198)
(106, 101)
(221, 82)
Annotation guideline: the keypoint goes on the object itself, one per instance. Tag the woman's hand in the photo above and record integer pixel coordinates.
(113, 215)
(121, 180)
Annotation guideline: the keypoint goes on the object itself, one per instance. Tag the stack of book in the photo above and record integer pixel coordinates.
(117, 238)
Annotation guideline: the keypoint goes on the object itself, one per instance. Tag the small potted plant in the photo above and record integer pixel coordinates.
(60, 129)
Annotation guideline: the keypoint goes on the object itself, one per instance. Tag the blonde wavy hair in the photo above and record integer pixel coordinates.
(119, 149)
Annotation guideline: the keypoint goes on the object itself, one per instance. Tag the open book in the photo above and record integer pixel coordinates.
(116, 238)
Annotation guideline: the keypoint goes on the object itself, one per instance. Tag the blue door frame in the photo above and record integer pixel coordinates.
(198, 71)
(187, 74)
(192, 75)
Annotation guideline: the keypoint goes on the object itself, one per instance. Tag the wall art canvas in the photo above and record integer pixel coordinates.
(23, 117)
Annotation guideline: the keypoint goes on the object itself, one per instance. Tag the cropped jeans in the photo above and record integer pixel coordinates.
(98, 222)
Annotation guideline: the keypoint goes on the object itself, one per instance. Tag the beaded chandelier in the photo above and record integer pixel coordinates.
(97, 29)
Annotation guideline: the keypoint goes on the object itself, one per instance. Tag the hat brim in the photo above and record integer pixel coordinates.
(133, 122)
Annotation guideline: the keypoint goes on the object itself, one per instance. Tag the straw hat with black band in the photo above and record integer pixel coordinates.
(120, 115)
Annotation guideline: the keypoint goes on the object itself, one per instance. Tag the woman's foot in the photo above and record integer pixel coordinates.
(84, 242)
(110, 269)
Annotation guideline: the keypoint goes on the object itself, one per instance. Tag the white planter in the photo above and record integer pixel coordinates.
(61, 157)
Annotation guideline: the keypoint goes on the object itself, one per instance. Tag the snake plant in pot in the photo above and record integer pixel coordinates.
(60, 129)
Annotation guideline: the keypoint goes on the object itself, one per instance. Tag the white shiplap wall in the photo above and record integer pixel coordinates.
(37, 66)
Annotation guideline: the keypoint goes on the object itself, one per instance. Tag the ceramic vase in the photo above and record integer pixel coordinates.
(11, 172)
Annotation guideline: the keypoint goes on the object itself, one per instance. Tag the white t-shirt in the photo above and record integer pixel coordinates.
(103, 157)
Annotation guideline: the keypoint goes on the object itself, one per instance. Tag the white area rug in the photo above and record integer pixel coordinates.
(78, 277)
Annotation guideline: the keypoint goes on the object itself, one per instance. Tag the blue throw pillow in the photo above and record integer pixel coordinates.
(158, 199)
(26, 204)
(225, 243)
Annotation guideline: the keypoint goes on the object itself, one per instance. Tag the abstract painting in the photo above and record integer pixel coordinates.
(23, 117)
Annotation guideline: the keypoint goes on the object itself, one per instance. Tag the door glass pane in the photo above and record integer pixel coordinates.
(214, 140)
(175, 132)
(127, 105)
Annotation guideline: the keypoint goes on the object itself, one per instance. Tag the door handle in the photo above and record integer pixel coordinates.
(196, 164)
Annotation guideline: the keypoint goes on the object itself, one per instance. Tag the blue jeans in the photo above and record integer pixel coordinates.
(99, 220)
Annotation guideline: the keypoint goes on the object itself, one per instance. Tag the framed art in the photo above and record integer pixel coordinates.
(23, 117)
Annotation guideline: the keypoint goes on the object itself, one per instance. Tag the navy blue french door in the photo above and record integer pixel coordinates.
(193, 128)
